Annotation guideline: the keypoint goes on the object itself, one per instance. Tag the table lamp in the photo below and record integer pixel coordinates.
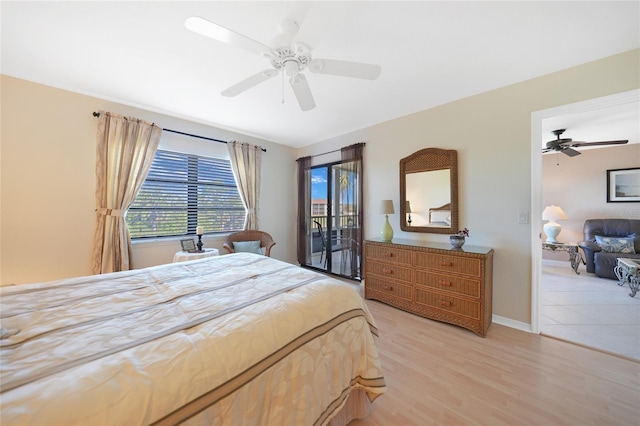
(387, 208)
(552, 228)
(408, 210)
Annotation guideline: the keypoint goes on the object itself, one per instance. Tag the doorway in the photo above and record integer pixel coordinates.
(537, 120)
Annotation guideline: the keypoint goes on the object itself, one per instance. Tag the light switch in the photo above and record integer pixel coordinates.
(523, 218)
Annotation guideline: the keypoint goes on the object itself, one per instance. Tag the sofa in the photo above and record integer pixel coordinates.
(605, 240)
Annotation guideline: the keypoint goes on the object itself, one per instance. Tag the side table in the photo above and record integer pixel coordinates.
(183, 256)
(575, 258)
(628, 272)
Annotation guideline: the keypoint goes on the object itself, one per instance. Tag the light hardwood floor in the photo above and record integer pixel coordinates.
(439, 374)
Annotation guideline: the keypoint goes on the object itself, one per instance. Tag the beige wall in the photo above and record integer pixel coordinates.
(48, 179)
(492, 133)
(579, 185)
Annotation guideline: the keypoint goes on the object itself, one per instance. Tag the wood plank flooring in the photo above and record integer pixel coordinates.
(439, 374)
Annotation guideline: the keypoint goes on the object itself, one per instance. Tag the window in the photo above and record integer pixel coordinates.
(183, 191)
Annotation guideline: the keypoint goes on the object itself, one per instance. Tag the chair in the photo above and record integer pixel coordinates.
(266, 241)
(323, 240)
(335, 245)
(601, 258)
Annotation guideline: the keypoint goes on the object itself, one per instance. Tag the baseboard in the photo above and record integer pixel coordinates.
(507, 322)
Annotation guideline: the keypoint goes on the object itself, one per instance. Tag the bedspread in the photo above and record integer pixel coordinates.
(235, 339)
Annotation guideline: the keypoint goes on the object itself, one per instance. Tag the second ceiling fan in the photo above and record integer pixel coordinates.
(287, 56)
(566, 145)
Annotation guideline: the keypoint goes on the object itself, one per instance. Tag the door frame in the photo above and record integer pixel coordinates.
(537, 118)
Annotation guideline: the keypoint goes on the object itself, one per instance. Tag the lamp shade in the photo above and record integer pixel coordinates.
(408, 207)
(553, 213)
(387, 207)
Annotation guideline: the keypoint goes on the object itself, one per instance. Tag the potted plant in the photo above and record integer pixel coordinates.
(458, 239)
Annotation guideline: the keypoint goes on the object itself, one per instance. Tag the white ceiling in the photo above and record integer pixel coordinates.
(140, 54)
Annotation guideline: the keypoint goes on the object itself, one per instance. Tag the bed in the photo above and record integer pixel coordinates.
(240, 339)
(440, 216)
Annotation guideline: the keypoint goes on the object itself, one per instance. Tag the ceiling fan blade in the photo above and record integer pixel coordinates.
(224, 35)
(288, 30)
(345, 68)
(250, 82)
(578, 143)
(303, 92)
(570, 152)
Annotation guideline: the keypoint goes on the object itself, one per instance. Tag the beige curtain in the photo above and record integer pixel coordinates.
(246, 162)
(125, 150)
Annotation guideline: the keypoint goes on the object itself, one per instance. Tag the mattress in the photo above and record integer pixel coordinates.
(228, 340)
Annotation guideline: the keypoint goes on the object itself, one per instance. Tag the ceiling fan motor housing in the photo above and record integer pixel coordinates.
(291, 60)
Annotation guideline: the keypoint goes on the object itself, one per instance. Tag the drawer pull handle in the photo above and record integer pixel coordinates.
(445, 303)
(388, 255)
(387, 271)
(446, 263)
(446, 283)
(388, 287)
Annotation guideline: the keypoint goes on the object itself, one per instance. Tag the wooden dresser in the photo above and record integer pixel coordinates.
(432, 280)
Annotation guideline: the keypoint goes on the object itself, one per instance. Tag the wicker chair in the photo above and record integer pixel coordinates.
(266, 242)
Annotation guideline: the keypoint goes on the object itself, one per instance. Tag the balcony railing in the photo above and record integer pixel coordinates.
(344, 221)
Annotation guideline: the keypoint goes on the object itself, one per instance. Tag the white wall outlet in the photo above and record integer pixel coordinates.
(523, 218)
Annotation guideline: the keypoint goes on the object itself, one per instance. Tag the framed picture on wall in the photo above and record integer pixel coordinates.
(623, 185)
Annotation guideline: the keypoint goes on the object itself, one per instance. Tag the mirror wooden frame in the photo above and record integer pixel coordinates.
(425, 160)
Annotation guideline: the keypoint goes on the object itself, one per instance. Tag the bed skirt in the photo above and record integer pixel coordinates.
(357, 406)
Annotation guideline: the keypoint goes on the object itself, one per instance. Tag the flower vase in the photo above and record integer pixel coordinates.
(457, 241)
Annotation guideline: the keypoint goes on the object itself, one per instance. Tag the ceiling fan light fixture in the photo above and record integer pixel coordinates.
(291, 68)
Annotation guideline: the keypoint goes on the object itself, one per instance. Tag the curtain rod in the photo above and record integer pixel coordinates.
(97, 114)
(329, 152)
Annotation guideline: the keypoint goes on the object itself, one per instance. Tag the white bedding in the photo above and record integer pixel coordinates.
(229, 340)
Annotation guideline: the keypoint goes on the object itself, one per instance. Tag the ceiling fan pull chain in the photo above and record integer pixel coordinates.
(282, 86)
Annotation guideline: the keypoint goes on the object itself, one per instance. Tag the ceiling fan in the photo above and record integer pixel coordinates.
(287, 56)
(565, 145)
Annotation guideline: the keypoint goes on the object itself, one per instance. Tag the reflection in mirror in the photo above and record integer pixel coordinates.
(428, 191)
(431, 191)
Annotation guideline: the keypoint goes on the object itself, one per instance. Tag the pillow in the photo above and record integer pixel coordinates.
(616, 244)
(247, 247)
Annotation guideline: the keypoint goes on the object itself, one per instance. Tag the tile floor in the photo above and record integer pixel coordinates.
(588, 310)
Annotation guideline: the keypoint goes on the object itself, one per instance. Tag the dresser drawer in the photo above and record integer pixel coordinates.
(455, 284)
(444, 263)
(389, 270)
(448, 303)
(388, 254)
(388, 287)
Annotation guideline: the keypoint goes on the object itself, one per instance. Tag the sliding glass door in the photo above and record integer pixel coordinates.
(333, 221)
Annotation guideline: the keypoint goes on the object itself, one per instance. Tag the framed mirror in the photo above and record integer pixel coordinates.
(429, 191)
